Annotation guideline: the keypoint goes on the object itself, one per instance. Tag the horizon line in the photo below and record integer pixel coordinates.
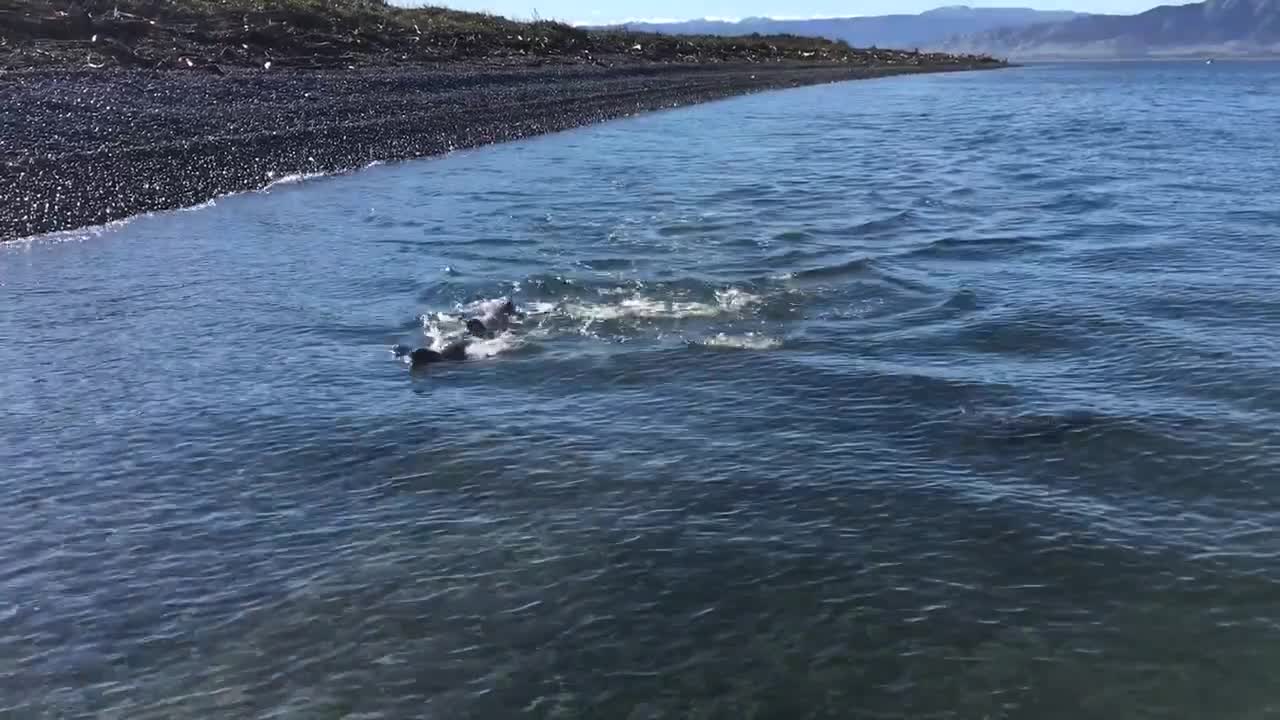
(793, 18)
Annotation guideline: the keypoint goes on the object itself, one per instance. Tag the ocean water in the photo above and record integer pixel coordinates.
(933, 397)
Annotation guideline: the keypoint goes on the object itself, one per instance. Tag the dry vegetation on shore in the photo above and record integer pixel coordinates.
(119, 107)
(213, 34)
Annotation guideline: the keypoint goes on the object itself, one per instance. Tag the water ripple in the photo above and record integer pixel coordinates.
(862, 400)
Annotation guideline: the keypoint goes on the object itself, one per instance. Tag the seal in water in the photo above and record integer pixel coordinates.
(495, 319)
(420, 357)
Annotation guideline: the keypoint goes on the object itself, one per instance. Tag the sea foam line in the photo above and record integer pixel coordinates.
(91, 231)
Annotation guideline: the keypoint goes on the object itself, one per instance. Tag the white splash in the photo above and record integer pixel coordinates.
(614, 291)
(212, 202)
(646, 308)
(541, 320)
(80, 234)
(492, 347)
(444, 328)
(747, 341)
(734, 299)
(487, 308)
(540, 308)
(492, 312)
(291, 179)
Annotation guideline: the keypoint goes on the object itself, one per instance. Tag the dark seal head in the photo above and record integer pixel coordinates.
(476, 328)
(510, 310)
(456, 350)
(424, 356)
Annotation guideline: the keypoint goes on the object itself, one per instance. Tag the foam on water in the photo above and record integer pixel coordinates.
(544, 320)
(644, 307)
(212, 202)
(444, 327)
(492, 347)
(83, 233)
(292, 179)
(93, 231)
(745, 341)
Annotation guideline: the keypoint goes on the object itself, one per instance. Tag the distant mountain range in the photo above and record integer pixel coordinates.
(927, 30)
(1213, 27)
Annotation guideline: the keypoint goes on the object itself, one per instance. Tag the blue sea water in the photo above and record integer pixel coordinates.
(947, 396)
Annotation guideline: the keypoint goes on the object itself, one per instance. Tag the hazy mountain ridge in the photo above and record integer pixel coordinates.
(1215, 27)
(927, 30)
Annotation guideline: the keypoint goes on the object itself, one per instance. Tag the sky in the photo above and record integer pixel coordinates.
(607, 11)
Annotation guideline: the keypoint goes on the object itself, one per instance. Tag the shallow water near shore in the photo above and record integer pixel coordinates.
(939, 396)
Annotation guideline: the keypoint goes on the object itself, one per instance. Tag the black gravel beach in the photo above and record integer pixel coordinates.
(87, 147)
(109, 114)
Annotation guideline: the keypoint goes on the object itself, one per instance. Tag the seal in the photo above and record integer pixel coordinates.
(421, 357)
(496, 317)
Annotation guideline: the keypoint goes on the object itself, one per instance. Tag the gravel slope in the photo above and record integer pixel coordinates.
(86, 147)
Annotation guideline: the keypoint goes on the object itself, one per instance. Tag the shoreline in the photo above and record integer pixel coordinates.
(1025, 61)
(85, 148)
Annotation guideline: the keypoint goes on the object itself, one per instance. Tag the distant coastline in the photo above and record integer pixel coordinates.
(146, 105)
(214, 35)
(1051, 60)
(1212, 28)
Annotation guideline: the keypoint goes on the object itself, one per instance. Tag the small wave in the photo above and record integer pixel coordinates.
(91, 231)
(689, 228)
(492, 347)
(793, 236)
(978, 248)
(539, 308)
(746, 341)
(645, 308)
(889, 223)
(1043, 426)
(212, 202)
(615, 291)
(608, 264)
(291, 179)
(639, 307)
(860, 266)
(554, 285)
(1080, 201)
(1157, 432)
(963, 299)
(735, 299)
(75, 234)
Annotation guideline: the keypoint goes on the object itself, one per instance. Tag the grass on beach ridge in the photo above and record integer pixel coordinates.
(334, 33)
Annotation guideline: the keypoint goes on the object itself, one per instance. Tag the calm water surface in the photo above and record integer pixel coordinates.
(948, 397)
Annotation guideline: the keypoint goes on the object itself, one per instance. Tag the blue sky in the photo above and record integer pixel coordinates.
(599, 11)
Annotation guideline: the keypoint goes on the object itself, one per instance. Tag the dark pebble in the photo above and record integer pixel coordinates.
(86, 147)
